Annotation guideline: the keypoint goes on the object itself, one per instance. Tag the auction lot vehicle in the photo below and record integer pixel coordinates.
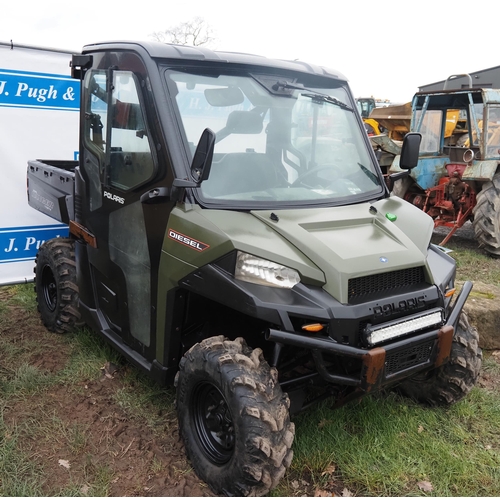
(231, 233)
(457, 178)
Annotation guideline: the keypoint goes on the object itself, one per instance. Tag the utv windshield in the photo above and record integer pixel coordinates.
(278, 143)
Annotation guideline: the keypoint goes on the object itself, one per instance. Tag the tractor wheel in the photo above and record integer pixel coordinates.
(233, 417)
(487, 217)
(55, 285)
(452, 381)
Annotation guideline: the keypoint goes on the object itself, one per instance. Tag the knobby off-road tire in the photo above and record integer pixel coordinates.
(487, 217)
(233, 417)
(55, 285)
(450, 382)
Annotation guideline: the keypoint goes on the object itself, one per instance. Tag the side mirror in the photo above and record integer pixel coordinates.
(200, 166)
(408, 159)
(202, 159)
(410, 150)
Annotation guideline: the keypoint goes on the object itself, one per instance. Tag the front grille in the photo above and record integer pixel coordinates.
(406, 358)
(368, 285)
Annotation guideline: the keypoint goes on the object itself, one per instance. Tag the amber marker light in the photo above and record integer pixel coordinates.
(313, 327)
(450, 292)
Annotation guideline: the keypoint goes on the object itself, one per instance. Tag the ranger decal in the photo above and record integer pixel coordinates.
(186, 240)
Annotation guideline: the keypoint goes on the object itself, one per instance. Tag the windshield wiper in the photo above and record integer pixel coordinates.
(370, 174)
(317, 96)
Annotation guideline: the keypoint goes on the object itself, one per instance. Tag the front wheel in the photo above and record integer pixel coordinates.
(233, 417)
(55, 285)
(452, 381)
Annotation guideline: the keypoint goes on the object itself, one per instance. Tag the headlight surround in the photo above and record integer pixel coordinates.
(264, 272)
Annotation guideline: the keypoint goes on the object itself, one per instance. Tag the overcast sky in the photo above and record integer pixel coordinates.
(385, 48)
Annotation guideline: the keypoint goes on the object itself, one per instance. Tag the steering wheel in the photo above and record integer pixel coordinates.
(314, 171)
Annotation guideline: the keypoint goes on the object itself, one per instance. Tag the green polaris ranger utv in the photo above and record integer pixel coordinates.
(231, 233)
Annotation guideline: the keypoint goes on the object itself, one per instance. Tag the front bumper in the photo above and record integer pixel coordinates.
(384, 365)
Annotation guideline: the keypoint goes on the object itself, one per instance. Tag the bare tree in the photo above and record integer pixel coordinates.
(193, 32)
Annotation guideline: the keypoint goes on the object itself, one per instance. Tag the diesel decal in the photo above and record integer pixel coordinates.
(113, 197)
(186, 240)
(401, 306)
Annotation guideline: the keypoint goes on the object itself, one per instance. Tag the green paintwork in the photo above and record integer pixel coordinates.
(224, 231)
(327, 246)
(347, 242)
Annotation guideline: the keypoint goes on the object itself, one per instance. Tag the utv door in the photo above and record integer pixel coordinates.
(119, 166)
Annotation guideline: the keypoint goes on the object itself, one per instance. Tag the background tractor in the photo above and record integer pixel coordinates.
(457, 177)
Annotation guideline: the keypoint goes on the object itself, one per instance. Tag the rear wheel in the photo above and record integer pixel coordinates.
(452, 381)
(487, 217)
(55, 285)
(233, 417)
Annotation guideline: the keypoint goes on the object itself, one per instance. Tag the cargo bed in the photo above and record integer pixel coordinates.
(51, 188)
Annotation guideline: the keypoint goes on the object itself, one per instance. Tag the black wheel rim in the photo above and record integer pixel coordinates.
(49, 288)
(213, 423)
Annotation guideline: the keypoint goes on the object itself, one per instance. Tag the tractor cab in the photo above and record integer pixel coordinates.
(459, 152)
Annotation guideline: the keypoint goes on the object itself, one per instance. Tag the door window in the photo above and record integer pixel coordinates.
(492, 132)
(431, 130)
(131, 162)
(115, 130)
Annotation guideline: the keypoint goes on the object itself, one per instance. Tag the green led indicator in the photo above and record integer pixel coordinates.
(391, 217)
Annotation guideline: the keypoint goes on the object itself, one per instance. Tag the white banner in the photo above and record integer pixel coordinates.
(39, 119)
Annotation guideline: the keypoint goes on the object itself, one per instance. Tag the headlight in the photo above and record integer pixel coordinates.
(264, 272)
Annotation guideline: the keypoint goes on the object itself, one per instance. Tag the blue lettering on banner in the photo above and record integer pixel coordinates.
(38, 90)
(19, 244)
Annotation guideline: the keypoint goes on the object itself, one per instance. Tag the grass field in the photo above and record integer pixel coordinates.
(77, 420)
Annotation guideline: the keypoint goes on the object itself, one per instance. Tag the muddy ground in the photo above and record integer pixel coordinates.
(96, 442)
(88, 444)
(99, 442)
(84, 440)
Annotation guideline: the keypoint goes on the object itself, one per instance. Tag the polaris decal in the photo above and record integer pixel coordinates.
(399, 307)
(113, 197)
(186, 240)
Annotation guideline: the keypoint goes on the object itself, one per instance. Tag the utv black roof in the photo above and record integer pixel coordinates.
(159, 50)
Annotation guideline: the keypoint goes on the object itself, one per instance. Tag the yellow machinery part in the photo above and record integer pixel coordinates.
(374, 124)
